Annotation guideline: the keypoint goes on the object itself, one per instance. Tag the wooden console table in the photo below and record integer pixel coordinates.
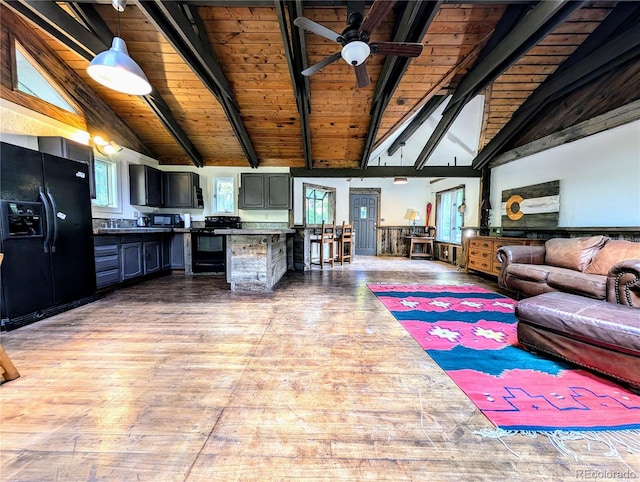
(425, 242)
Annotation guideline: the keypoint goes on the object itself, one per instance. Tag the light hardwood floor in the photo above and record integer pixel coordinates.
(180, 379)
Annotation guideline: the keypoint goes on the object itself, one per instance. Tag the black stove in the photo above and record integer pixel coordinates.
(218, 222)
(209, 248)
(212, 223)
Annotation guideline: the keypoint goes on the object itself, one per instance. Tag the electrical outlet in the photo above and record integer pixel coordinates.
(136, 214)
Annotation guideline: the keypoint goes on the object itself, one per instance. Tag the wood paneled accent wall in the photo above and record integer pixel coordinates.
(392, 240)
(94, 116)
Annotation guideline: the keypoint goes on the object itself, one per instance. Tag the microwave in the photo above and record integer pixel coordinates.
(164, 220)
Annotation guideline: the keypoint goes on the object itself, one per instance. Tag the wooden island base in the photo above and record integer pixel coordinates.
(256, 259)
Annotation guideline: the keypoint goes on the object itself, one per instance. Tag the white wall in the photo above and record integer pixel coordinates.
(599, 178)
(395, 199)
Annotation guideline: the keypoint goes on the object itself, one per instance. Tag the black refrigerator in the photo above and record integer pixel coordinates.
(46, 236)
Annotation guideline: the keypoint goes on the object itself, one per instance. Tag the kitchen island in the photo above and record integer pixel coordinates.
(256, 258)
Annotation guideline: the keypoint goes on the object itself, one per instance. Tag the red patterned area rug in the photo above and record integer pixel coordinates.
(470, 332)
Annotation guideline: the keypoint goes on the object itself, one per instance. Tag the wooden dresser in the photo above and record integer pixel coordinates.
(481, 251)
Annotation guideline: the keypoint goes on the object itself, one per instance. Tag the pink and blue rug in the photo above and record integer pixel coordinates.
(470, 332)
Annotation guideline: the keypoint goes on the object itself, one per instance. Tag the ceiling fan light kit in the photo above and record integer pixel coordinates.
(115, 69)
(356, 52)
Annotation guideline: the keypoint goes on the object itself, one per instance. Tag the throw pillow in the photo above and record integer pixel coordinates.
(614, 251)
(572, 253)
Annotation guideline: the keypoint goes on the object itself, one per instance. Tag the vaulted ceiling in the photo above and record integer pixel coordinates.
(228, 89)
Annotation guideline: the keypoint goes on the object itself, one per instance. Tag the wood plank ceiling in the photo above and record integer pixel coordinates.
(259, 60)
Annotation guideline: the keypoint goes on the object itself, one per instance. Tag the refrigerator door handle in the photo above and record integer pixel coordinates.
(47, 218)
(54, 217)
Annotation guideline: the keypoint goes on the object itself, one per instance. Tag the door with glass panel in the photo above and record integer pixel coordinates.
(364, 216)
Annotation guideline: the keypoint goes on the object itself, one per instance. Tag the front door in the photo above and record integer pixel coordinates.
(364, 216)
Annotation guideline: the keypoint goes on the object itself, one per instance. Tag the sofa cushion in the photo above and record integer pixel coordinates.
(572, 253)
(529, 272)
(571, 281)
(613, 252)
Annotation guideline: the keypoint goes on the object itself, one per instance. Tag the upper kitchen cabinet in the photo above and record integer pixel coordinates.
(265, 191)
(62, 147)
(145, 185)
(182, 190)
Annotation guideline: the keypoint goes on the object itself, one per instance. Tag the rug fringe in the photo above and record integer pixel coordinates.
(615, 441)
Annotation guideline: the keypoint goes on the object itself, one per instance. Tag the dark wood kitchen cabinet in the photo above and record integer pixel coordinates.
(182, 190)
(151, 259)
(126, 257)
(265, 191)
(131, 260)
(107, 258)
(146, 185)
(177, 251)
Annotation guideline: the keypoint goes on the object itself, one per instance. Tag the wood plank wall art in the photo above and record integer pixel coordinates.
(534, 206)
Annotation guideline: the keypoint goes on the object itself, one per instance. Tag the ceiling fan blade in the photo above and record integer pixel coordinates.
(403, 49)
(362, 76)
(322, 64)
(311, 26)
(377, 12)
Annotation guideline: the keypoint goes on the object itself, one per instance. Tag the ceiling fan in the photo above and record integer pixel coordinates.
(356, 47)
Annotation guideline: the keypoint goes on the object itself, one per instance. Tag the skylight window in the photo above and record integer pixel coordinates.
(32, 81)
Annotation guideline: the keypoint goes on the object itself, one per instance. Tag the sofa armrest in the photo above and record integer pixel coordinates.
(623, 283)
(518, 254)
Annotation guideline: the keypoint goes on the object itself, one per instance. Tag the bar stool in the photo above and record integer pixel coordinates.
(326, 238)
(345, 243)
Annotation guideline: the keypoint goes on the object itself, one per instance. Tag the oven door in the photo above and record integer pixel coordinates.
(209, 252)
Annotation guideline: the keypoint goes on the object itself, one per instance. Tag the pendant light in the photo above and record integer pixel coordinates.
(400, 179)
(115, 69)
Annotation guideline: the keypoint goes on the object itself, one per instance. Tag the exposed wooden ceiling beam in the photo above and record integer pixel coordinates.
(389, 171)
(420, 118)
(54, 20)
(411, 26)
(172, 22)
(294, 48)
(511, 40)
(594, 58)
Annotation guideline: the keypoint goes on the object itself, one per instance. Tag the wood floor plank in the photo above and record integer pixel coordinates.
(179, 379)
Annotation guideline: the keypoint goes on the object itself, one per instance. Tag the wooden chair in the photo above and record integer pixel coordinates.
(325, 239)
(7, 370)
(345, 243)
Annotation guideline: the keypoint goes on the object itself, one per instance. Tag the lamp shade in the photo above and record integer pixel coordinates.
(356, 52)
(114, 69)
(400, 180)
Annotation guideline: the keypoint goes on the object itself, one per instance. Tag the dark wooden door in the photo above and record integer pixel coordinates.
(364, 216)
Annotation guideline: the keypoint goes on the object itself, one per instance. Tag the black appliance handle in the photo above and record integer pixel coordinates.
(47, 219)
(55, 220)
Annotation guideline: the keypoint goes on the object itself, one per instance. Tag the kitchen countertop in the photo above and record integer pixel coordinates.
(253, 231)
(132, 230)
(227, 231)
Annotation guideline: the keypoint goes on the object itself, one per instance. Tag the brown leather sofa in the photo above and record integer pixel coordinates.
(572, 265)
(582, 302)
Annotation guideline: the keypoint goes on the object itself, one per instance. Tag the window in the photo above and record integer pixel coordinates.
(31, 80)
(223, 195)
(319, 205)
(106, 175)
(449, 216)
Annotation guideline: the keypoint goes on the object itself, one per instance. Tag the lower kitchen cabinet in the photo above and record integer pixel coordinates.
(132, 265)
(107, 256)
(177, 251)
(151, 250)
(130, 256)
(165, 249)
